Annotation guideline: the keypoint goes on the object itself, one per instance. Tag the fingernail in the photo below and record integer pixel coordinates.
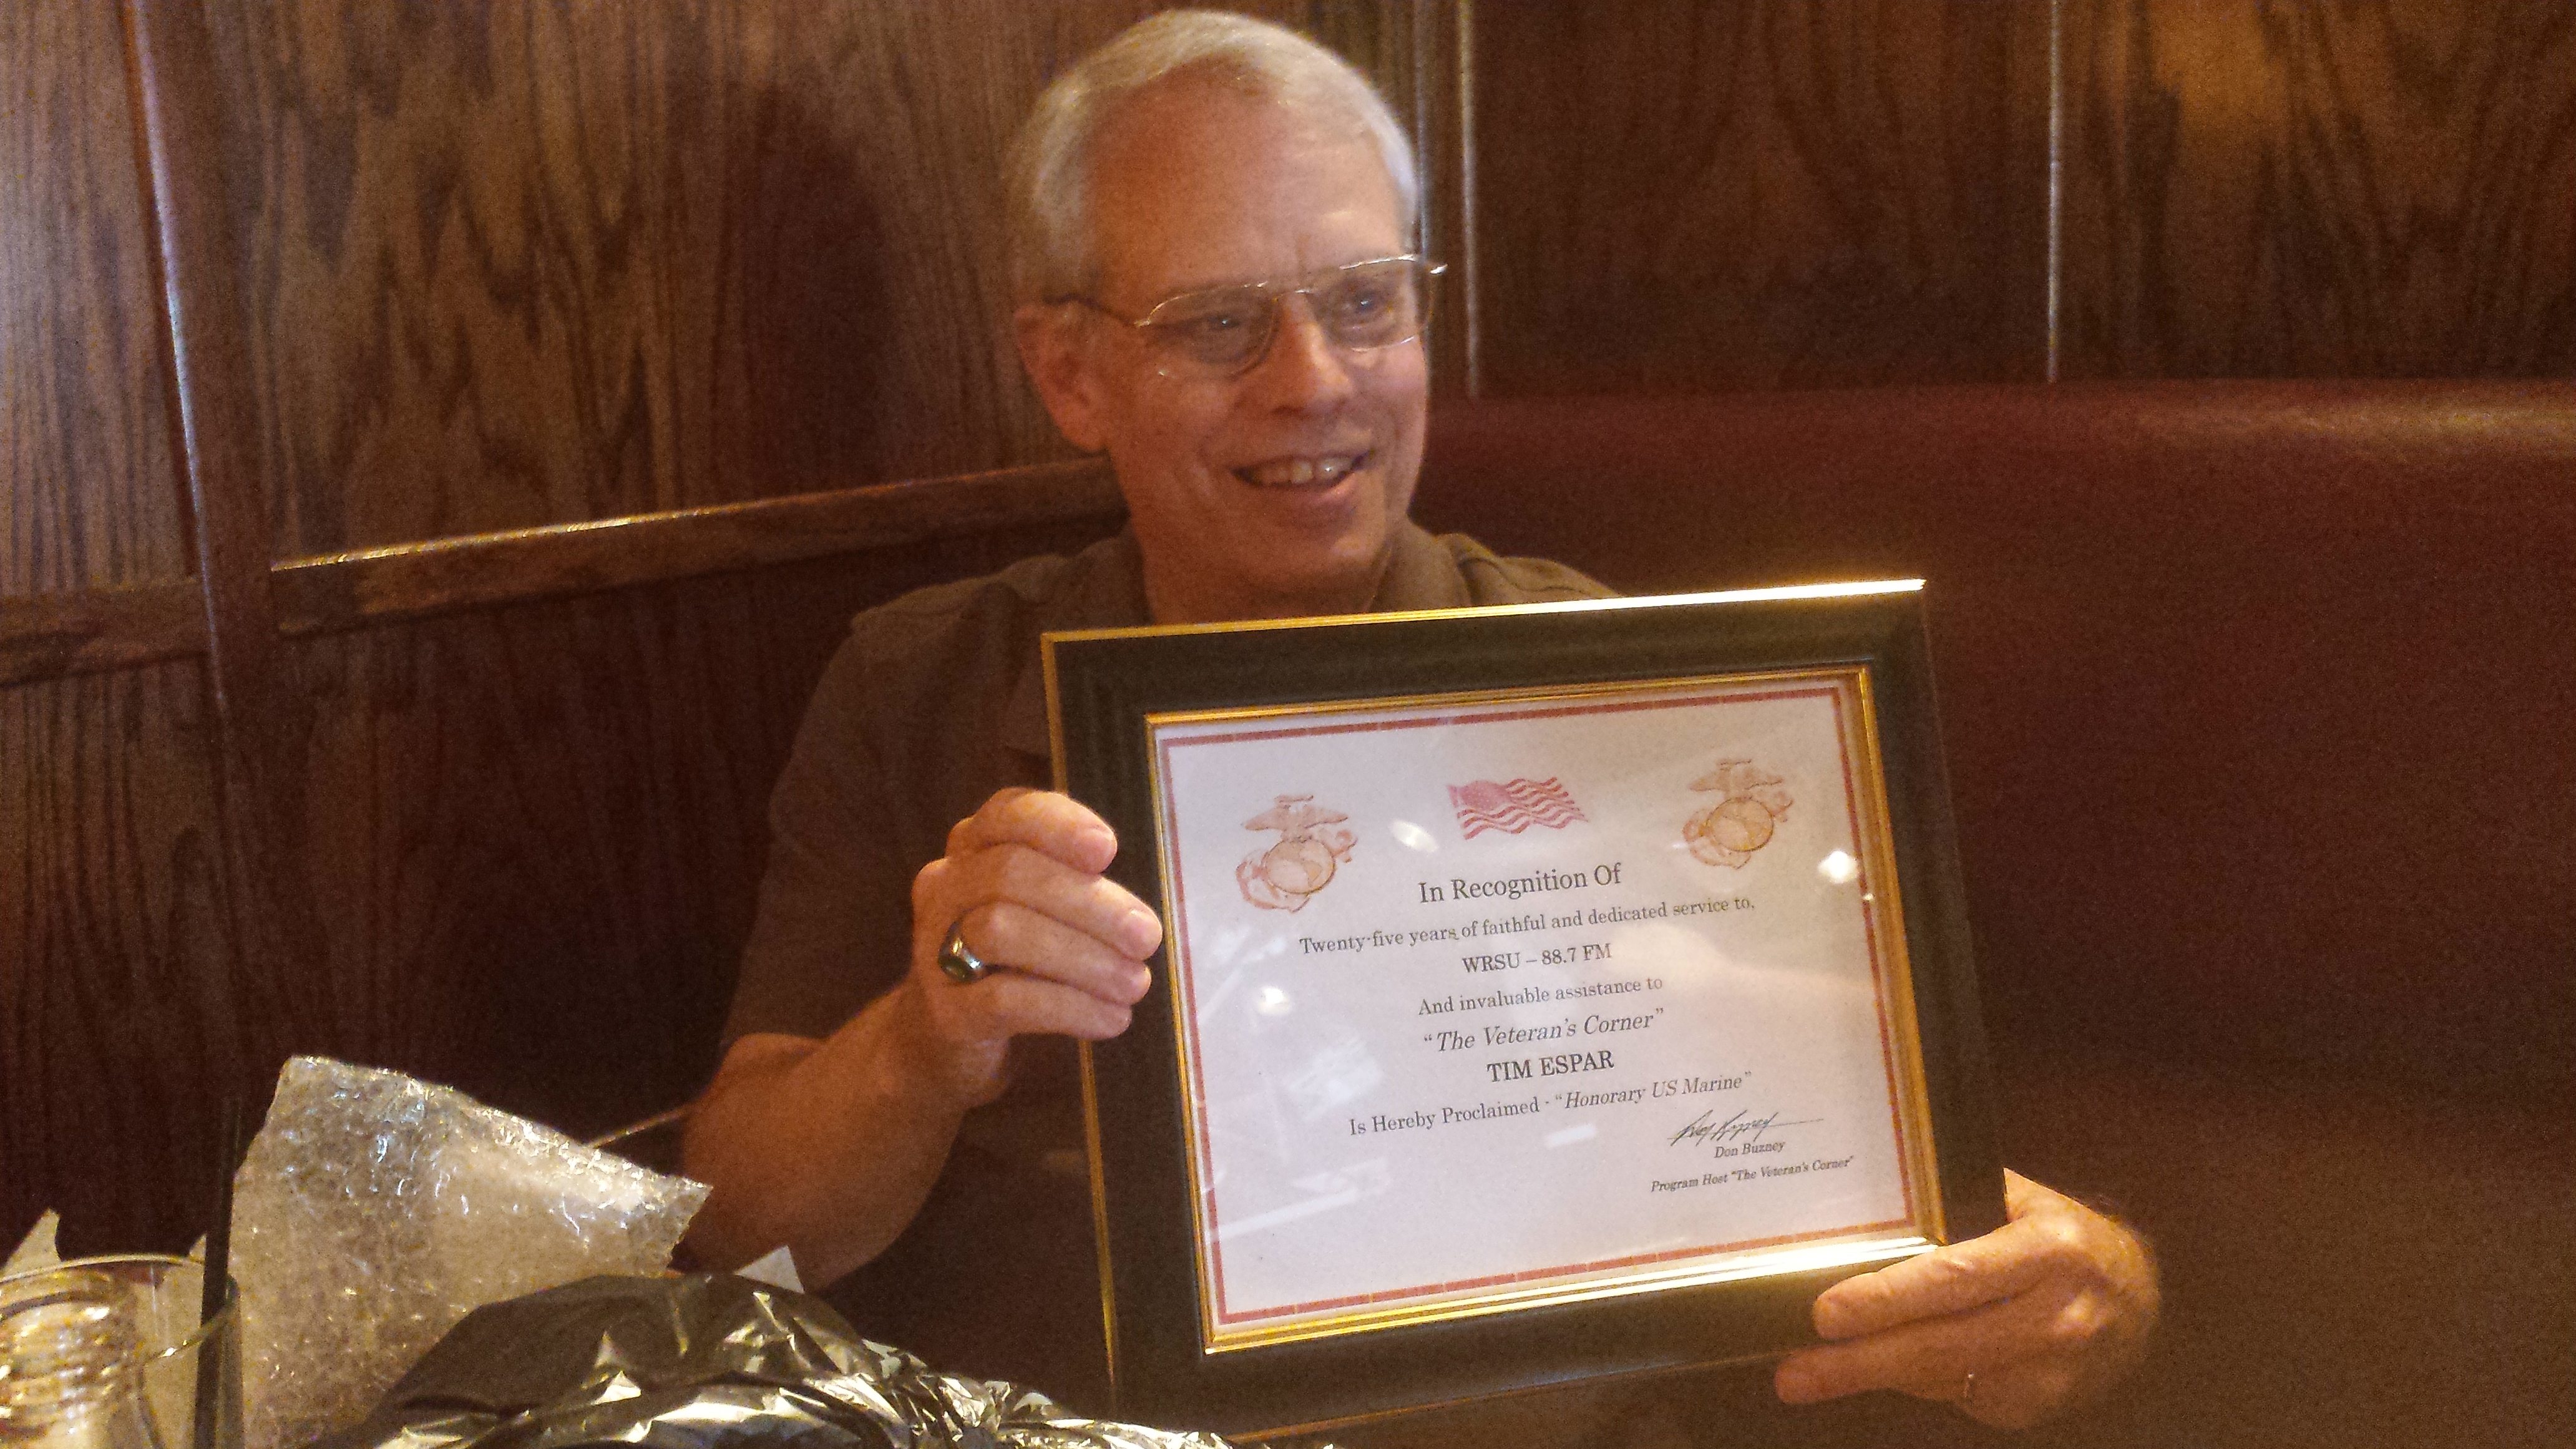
(1144, 930)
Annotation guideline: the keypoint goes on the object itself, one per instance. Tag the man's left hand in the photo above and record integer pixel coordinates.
(2036, 1316)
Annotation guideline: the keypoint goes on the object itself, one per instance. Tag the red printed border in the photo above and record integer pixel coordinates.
(1200, 1148)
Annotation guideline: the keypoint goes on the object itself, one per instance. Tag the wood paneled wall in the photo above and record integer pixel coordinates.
(118, 953)
(521, 264)
(1674, 196)
(2319, 190)
(334, 336)
(91, 500)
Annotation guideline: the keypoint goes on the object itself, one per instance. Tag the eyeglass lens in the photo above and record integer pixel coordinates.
(1374, 304)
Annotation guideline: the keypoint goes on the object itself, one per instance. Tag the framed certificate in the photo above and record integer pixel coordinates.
(1547, 993)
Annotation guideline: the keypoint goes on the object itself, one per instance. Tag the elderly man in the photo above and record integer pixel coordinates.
(1214, 226)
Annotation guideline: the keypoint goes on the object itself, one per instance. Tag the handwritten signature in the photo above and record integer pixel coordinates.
(1739, 1129)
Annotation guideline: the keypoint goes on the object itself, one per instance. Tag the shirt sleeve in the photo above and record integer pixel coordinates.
(833, 929)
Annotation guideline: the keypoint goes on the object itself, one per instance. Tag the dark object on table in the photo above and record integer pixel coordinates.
(702, 1361)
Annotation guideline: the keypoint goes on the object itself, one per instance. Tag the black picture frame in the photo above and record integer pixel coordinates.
(1103, 689)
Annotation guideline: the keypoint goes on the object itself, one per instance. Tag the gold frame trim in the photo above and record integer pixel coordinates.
(1849, 589)
(1082, 1055)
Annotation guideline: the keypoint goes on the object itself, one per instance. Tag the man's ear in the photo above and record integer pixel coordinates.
(1059, 367)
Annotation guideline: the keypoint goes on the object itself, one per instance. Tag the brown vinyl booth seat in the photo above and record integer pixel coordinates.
(2260, 707)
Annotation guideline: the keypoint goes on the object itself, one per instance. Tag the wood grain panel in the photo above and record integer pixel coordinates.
(88, 496)
(259, 796)
(126, 1005)
(2285, 190)
(539, 829)
(516, 264)
(1792, 193)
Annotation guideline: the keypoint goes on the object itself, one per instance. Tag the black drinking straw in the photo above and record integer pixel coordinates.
(214, 1355)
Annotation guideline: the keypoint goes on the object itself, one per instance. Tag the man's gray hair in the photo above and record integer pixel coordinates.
(1052, 253)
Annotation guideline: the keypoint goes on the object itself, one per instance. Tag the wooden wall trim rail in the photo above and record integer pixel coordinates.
(380, 585)
(52, 635)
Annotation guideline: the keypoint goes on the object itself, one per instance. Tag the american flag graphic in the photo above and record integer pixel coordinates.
(1483, 805)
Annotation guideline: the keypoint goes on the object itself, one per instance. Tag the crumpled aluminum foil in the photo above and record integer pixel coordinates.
(700, 1362)
(374, 1211)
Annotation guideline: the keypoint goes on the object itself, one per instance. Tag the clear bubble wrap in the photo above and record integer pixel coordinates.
(374, 1211)
(709, 1361)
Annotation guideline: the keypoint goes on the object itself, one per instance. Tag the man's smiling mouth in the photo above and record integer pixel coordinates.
(1317, 471)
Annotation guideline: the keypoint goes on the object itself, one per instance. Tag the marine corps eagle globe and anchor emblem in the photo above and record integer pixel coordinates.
(1311, 844)
(1749, 808)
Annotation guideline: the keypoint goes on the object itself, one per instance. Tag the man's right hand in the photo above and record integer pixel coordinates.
(1022, 881)
(831, 1146)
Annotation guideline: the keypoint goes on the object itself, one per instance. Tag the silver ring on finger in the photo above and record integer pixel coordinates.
(958, 961)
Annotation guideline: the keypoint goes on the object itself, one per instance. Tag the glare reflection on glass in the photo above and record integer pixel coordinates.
(1331, 1076)
(1273, 1002)
(1224, 991)
(1412, 836)
(1839, 868)
(1259, 1222)
(1567, 1136)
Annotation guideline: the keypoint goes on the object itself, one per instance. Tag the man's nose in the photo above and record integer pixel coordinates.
(1304, 368)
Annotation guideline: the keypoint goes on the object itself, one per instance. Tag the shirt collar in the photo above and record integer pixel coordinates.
(1104, 588)
(1421, 574)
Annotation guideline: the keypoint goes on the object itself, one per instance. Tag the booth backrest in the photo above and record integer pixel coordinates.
(2259, 698)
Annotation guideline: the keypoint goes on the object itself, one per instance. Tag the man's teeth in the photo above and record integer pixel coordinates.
(1299, 472)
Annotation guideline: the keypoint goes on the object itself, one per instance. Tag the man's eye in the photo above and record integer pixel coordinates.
(1363, 313)
(1216, 323)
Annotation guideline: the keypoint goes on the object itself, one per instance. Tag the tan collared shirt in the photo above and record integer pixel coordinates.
(934, 702)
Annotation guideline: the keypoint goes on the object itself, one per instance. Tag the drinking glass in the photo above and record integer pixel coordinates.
(112, 1353)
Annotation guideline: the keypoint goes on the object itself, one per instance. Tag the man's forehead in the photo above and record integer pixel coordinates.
(1199, 182)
